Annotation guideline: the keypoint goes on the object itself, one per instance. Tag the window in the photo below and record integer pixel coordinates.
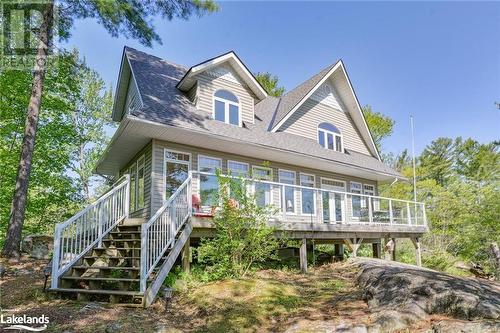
(288, 197)
(133, 184)
(240, 170)
(208, 183)
(140, 183)
(329, 137)
(307, 196)
(370, 190)
(356, 199)
(177, 165)
(262, 190)
(227, 108)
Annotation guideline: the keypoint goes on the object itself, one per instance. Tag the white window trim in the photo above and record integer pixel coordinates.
(199, 181)
(360, 192)
(335, 180)
(238, 162)
(343, 197)
(314, 194)
(294, 192)
(165, 160)
(271, 196)
(335, 138)
(226, 107)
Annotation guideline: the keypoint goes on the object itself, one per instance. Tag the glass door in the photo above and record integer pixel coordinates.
(333, 203)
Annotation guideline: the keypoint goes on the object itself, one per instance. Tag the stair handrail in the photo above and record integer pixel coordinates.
(158, 234)
(78, 234)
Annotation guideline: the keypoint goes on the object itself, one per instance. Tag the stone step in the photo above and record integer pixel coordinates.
(124, 268)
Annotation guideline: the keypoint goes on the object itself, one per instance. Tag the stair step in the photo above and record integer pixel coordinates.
(110, 257)
(126, 232)
(99, 291)
(93, 278)
(117, 248)
(122, 240)
(107, 267)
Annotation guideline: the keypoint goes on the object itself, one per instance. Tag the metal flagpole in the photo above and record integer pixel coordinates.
(413, 157)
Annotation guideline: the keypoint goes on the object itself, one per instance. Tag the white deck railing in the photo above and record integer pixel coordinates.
(328, 206)
(74, 237)
(158, 234)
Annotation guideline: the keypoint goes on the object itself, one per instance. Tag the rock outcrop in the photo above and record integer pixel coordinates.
(402, 295)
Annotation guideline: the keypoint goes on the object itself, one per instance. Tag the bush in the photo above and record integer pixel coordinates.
(243, 237)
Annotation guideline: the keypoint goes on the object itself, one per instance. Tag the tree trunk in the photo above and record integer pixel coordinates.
(13, 237)
(496, 253)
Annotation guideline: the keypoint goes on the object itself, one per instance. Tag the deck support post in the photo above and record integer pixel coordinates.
(376, 248)
(418, 252)
(394, 249)
(388, 248)
(303, 256)
(353, 245)
(339, 251)
(186, 267)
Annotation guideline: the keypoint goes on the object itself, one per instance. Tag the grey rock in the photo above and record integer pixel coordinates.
(38, 246)
(455, 326)
(91, 307)
(114, 327)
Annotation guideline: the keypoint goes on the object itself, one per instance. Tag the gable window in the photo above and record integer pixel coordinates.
(329, 137)
(227, 107)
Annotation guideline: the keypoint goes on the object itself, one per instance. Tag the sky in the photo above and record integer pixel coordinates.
(437, 61)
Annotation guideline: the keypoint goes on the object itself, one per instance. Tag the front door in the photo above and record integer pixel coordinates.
(333, 203)
(177, 166)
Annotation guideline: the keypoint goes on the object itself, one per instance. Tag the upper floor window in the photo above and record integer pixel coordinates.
(227, 107)
(329, 137)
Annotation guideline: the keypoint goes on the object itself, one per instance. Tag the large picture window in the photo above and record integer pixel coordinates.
(177, 165)
(240, 170)
(329, 137)
(209, 185)
(307, 196)
(263, 192)
(227, 108)
(356, 188)
(288, 196)
(137, 174)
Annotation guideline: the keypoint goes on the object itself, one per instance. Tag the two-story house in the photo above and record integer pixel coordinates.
(308, 153)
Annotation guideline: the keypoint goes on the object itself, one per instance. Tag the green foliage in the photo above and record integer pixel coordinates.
(270, 84)
(380, 126)
(73, 110)
(131, 19)
(242, 238)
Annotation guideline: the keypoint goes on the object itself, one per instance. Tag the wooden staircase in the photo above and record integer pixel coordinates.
(109, 273)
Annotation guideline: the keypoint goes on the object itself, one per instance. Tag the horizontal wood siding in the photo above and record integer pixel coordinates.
(305, 121)
(148, 164)
(159, 182)
(133, 101)
(208, 85)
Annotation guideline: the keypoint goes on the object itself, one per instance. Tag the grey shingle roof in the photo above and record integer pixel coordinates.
(164, 103)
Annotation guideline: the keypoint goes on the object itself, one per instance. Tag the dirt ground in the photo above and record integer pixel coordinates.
(270, 301)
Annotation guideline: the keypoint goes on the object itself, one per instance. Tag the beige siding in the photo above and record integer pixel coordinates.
(208, 84)
(148, 162)
(133, 101)
(305, 121)
(158, 171)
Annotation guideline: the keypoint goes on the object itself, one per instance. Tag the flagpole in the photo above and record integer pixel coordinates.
(413, 157)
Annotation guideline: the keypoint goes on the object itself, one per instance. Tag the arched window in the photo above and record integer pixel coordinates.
(329, 137)
(227, 107)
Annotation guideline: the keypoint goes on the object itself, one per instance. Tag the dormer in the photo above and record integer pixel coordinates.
(224, 88)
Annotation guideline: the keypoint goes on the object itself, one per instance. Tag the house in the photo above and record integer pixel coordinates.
(309, 153)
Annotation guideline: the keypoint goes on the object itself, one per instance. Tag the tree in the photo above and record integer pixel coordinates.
(380, 126)
(437, 160)
(242, 237)
(129, 18)
(270, 84)
(90, 120)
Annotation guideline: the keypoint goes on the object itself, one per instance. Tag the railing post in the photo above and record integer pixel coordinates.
(408, 212)
(56, 257)
(424, 215)
(173, 216)
(391, 216)
(127, 196)
(144, 258)
(370, 210)
(99, 224)
(283, 202)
